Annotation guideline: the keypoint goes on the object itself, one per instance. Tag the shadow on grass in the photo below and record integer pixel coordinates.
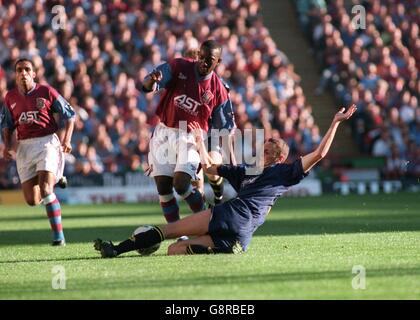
(345, 224)
(73, 235)
(266, 278)
(149, 284)
(66, 259)
(83, 215)
(302, 226)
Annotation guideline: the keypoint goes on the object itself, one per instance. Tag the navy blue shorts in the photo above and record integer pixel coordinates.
(230, 226)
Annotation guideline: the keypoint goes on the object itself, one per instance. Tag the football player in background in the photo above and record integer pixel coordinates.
(228, 227)
(29, 109)
(192, 92)
(222, 119)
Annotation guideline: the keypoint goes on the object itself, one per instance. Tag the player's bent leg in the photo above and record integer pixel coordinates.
(141, 240)
(46, 183)
(200, 245)
(167, 200)
(182, 185)
(192, 225)
(164, 184)
(182, 182)
(31, 191)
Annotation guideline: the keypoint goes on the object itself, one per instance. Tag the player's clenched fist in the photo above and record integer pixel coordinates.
(66, 147)
(156, 75)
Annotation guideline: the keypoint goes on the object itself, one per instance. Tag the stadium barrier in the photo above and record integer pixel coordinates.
(148, 193)
(11, 197)
(307, 187)
(108, 179)
(364, 187)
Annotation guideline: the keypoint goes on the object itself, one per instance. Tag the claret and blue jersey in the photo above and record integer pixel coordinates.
(32, 114)
(191, 97)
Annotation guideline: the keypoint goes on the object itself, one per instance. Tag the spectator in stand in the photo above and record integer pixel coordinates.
(395, 165)
(108, 46)
(381, 147)
(382, 69)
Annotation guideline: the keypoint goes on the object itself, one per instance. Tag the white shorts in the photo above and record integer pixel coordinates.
(172, 150)
(39, 154)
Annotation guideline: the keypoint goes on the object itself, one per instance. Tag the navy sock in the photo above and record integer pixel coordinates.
(148, 238)
(125, 246)
(217, 186)
(141, 240)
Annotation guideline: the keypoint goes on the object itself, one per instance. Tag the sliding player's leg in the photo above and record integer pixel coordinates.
(193, 225)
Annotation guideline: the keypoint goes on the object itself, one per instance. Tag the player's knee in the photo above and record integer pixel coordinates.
(176, 249)
(164, 186)
(165, 190)
(181, 186)
(32, 201)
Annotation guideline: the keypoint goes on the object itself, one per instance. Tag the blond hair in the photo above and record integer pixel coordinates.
(281, 148)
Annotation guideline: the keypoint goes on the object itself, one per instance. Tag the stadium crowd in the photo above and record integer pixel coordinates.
(376, 66)
(104, 49)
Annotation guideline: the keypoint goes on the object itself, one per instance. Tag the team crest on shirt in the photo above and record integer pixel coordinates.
(40, 103)
(207, 96)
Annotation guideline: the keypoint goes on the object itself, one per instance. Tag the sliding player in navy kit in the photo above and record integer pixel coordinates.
(228, 227)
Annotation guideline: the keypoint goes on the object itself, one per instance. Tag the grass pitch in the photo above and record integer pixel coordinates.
(306, 250)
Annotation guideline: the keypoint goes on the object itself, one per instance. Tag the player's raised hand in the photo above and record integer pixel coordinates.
(341, 115)
(195, 128)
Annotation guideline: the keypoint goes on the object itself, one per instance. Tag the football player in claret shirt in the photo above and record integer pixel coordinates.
(228, 227)
(192, 92)
(29, 109)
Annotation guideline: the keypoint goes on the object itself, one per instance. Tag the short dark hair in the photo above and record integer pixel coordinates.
(212, 45)
(23, 60)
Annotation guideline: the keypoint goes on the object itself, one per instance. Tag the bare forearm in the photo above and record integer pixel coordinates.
(7, 138)
(311, 159)
(321, 151)
(204, 155)
(68, 130)
(326, 142)
(232, 150)
(206, 160)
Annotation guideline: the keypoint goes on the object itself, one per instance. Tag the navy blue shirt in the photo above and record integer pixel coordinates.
(258, 193)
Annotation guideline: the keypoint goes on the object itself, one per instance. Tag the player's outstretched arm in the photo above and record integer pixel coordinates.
(321, 151)
(206, 160)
